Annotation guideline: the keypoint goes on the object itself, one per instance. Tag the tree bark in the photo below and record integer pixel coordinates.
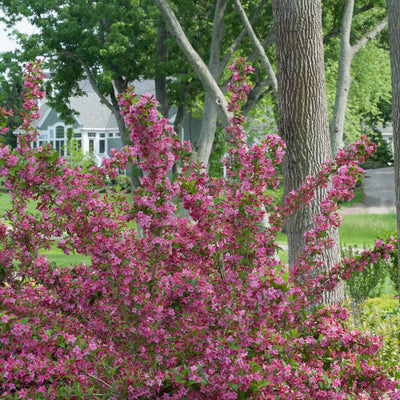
(347, 52)
(303, 113)
(393, 10)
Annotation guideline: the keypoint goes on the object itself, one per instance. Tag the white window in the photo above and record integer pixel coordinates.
(60, 140)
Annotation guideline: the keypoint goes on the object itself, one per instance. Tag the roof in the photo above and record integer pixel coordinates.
(96, 115)
(91, 112)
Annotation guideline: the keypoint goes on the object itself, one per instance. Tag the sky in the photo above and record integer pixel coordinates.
(7, 44)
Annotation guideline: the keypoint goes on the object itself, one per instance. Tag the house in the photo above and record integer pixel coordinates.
(95, 128)
(387, 135)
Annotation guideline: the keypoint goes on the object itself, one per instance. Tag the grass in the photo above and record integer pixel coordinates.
(63, 260)
(361, 229)
(5, 204)
(364, 229)
(385, 288)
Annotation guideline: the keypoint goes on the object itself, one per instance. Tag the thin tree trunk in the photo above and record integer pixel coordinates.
(114, 107)
(160, 78)
(207, 132)
(393, 10)
(347, 53)
(343, 80)
(303, 112)
(209, 119)
(180, 114)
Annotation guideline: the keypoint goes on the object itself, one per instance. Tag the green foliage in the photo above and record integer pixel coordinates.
(276, 194)
(381, 317)
(3, 188)
(11, 87)
(121, 183)
(110, 40)
(385, 303)
(361, 283)
(76, 158)
(393, 267)
(370, 68)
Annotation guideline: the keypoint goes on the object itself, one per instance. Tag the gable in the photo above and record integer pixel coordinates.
(51, 119)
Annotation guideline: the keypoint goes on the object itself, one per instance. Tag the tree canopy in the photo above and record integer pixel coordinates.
(115, 42)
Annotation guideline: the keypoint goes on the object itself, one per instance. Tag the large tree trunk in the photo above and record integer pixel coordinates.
(393, 9)
(303, 112)
(347, 52)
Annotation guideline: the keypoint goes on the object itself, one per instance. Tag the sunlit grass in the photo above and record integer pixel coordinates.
(364, 229)
(63, 260)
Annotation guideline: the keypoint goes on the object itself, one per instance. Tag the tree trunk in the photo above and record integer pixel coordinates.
(347, 52)
(393, 10)
(209, 119)
(114, 107)
(204, 145)
(180, 114)
(303, 112)
(160, 78)
(343, 80)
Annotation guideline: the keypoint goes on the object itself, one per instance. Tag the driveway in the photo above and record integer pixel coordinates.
(379, 193)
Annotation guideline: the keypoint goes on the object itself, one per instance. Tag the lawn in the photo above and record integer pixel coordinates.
(363, 229)
(63, 260)
(5, 204)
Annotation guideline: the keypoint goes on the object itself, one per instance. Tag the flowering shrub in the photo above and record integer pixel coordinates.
(190, 309)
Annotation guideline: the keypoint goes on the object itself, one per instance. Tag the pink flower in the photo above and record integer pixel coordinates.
(4, 318)
(12, 160)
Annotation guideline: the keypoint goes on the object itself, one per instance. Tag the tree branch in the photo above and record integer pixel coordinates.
(268, 40)
(256, 43)
(242, 34)
(214, 63)
(369, 36)
(255, 95)
(89, 74)
(194, 59)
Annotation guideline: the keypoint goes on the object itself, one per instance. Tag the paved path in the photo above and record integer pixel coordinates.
(379, 193)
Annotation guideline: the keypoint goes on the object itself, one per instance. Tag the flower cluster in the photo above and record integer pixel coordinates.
(192, 308)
